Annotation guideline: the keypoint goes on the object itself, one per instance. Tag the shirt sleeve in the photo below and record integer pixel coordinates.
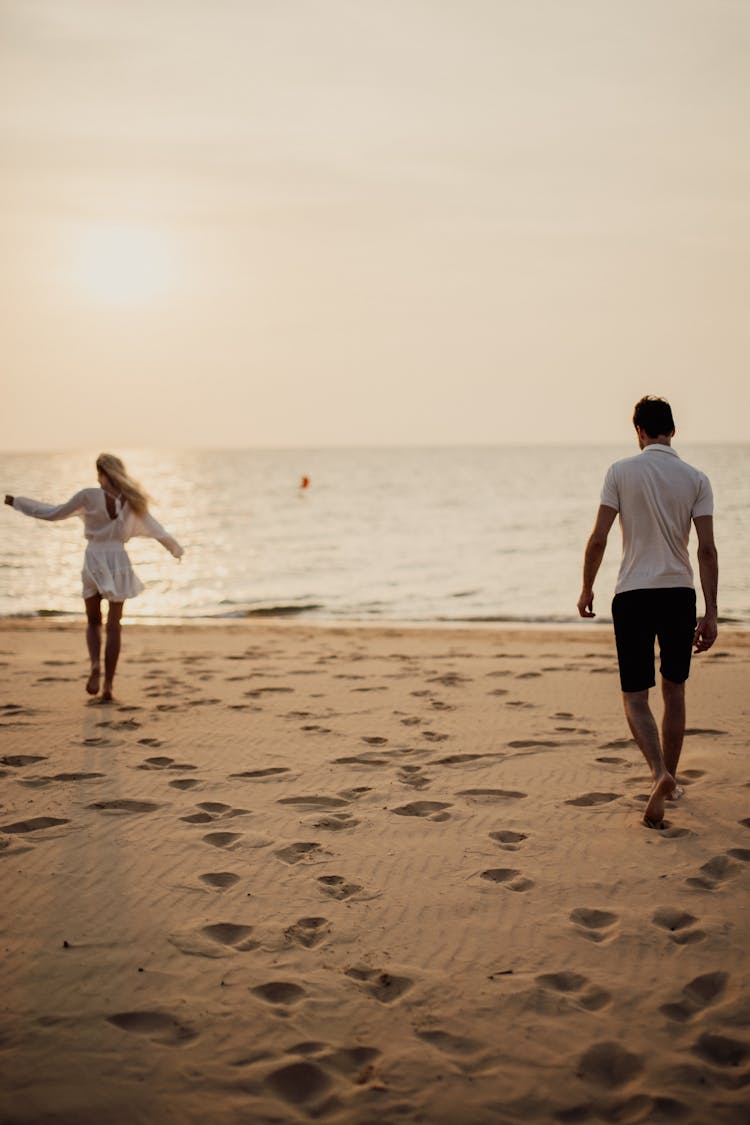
(610, 495)
(147, 527)
(704, 502)
(73, 507)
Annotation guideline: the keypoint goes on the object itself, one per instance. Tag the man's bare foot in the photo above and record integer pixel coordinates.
(653, 814)
(107, 696)
(676, 793)
(92, 683)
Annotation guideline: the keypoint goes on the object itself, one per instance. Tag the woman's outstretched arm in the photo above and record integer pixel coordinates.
(73, 507)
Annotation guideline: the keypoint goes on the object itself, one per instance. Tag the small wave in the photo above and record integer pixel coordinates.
(275, 610)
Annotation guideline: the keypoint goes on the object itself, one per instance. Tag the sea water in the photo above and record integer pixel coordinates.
(428, 535)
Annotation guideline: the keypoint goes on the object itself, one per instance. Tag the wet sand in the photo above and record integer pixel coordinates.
(366, 875)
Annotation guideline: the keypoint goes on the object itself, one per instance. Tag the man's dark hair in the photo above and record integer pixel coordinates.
(654, 415)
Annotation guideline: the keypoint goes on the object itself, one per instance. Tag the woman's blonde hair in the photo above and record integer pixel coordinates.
(129, 489)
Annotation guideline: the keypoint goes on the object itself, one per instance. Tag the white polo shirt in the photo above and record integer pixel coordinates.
(657, 496)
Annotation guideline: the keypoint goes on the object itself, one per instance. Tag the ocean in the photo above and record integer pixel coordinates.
(412, 535)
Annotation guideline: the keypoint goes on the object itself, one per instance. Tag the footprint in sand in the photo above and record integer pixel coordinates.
(745, 822)
(699, 994)
(36, 824)
(294, 853)
(590, 800)
(308, 932)
(212, 811)
(216, 940)
(222, 839)
(280, 993)
(299, 1083)
(433, 736)
(385, 987)
(461, 759)
(184, 783)
(120, 724)
(714, 873)
(742, 854)
(596, 925)
(573, 985)
(161, 1027)
(431, 810)
(492, 794)
(720, 1050)
(162, 763)
(314, 802)
(612, 761)
(678, 924)
(337, 887)
(448, 1042)
(362, 760)
(65, 777)
(609, 1065)
(220, 880)
(262, 775)
(154, 743)
(508, 877)
(124, 805)
(336, 822)
(20, 760)
(508, 840)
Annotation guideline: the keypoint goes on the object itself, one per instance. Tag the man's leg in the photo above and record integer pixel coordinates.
(673, 723)
(646, 734)
(94, 640)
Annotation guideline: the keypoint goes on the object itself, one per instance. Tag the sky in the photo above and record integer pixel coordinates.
(371, 222)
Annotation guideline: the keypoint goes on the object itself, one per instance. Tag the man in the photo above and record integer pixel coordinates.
(657, 495)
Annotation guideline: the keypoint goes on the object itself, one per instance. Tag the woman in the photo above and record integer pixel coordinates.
(111, 514)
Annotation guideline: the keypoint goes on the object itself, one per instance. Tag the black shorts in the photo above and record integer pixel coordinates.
(642, 616)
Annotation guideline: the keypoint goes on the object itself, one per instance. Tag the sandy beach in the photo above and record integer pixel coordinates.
(366, 875)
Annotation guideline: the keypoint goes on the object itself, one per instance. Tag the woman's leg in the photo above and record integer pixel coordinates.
(94, 640)
(112, 647)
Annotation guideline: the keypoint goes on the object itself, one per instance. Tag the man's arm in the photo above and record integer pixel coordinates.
(593, 556)
(708, 567)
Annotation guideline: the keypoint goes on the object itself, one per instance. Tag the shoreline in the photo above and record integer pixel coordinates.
(364, 874)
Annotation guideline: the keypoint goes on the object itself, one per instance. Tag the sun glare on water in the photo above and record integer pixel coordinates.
(123, 264)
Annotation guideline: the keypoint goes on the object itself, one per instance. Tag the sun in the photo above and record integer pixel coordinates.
(123, 263)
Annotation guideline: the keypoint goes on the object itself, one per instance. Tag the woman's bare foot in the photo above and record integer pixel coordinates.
(92, 683)
(107, 696)
(653, 814)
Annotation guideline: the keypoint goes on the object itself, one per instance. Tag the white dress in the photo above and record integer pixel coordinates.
(106, 566)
